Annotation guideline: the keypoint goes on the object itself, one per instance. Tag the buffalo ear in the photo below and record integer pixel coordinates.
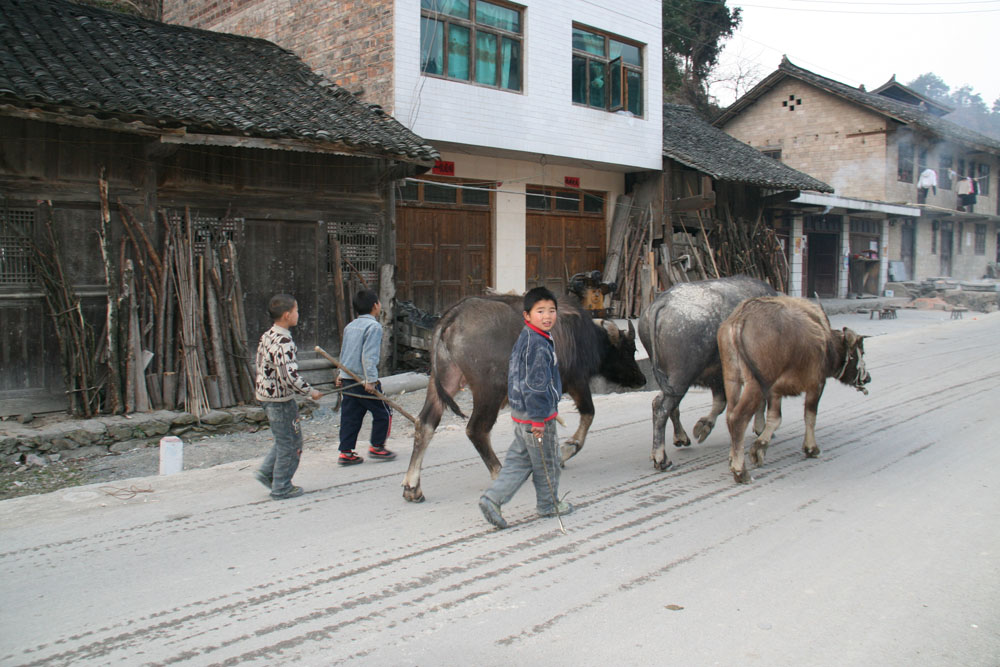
(631, 331)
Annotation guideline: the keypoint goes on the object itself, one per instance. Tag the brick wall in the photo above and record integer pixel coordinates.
(348, 41)
(837, 142)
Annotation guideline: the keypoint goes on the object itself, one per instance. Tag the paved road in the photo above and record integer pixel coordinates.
(884, 551)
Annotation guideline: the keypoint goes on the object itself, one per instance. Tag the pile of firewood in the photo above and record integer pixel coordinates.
(694, 248)
(174, 333)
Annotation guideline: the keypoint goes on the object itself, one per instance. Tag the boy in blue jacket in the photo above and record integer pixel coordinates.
(360, 351)
(533, 392)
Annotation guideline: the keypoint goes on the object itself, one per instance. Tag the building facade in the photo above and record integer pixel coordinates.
(539, 110)
(872, 147)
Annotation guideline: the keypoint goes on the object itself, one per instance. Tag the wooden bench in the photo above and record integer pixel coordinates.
(957, 312)
(888, 313)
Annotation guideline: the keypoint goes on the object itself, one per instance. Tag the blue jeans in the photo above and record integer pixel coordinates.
(352, 415)
(282, 461)
(523, 460)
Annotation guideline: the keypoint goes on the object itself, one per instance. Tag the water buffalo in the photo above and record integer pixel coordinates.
(779, 346)
(471, 347)
(679, 331)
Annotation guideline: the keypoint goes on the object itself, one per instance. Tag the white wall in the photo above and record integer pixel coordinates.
(541, 119)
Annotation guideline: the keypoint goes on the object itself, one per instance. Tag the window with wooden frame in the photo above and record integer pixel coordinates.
(904, 164)
(961, 238)
(17, 230)
(562, 202)
(474, 194)
(945, 162)
(982, 177)
(607, 71)
(980, 239)
(472, 40)
(773, 153)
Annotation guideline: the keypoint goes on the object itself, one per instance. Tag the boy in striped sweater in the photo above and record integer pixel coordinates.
(278, 381)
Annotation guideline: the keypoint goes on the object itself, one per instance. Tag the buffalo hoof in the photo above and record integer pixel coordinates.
(413, 495)
(568, 450)
(702, 429)
(742, 476)
(665, 464)
(682, 442)
(757, 452)
(811, 453)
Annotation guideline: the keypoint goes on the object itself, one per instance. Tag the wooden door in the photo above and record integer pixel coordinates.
(945, 248)
(442, 255)
(558, 246)
(822, 277)
(907, 247)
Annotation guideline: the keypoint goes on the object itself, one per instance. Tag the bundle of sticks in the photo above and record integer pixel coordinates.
(751, 249)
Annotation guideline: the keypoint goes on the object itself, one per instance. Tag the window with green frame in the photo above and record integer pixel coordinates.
(472, 40)
(607, 71)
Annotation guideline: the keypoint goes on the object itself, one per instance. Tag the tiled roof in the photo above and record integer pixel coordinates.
(899, 111)
(80, 61)
(698, 144)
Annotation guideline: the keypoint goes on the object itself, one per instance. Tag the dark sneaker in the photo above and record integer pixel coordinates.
(349, 459)
(380, 454)
(293, 492)
(263, 478)
(564, 509)
(491, 512)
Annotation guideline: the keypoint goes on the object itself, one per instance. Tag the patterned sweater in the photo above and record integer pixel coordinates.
(278, 376)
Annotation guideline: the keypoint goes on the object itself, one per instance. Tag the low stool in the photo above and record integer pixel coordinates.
(957, 312)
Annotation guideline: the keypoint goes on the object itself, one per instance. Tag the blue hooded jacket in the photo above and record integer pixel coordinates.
(533, 383)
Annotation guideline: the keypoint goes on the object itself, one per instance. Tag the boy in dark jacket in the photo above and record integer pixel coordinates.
(533, 392)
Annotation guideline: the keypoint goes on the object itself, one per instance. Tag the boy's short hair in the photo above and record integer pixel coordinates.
(279, 305)
(536, 294)
(364, 301)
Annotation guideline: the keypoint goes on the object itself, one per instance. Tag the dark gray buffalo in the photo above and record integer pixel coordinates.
(471, 347)
(679, 331)
(779, 346)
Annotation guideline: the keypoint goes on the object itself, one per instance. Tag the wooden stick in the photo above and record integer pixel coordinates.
(375, 392)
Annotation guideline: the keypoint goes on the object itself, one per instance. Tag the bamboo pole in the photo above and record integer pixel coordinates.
(104, 232)
(376, 392)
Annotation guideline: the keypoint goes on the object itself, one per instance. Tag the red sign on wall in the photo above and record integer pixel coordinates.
(443, 168)
(572, 181)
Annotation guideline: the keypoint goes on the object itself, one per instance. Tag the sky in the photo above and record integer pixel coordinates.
(857, 42)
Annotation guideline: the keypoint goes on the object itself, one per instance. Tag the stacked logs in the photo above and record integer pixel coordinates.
(175, 330)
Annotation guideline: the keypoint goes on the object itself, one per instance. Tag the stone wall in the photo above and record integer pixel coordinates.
(76, 439)
(824, 136)
(348, 41)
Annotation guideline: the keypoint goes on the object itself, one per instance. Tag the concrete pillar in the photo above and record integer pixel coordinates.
(798, 241)
(509, 257)
(844, 271)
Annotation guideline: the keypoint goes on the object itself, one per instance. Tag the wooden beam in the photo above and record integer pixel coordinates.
(695, 203)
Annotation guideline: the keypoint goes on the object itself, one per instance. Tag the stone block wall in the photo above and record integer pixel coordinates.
(348, 41)
(839, 143)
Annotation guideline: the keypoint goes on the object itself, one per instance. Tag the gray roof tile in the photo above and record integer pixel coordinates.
(79, 60)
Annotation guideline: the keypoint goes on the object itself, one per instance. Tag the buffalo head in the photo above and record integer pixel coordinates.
(618, 362)
(854, 372)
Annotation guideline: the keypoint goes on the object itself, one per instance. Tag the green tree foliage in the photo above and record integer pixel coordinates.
(693, 35)
(970, 109)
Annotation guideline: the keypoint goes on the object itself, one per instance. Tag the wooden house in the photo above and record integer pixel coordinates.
(234, 137)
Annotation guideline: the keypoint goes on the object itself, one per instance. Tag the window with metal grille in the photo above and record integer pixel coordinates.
(17, 228)
(904, 165)
(208, 230)
(359, 249)
(980, 239)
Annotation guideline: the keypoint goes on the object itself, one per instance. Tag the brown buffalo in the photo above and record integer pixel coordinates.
(779, 346)
(471, 347)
